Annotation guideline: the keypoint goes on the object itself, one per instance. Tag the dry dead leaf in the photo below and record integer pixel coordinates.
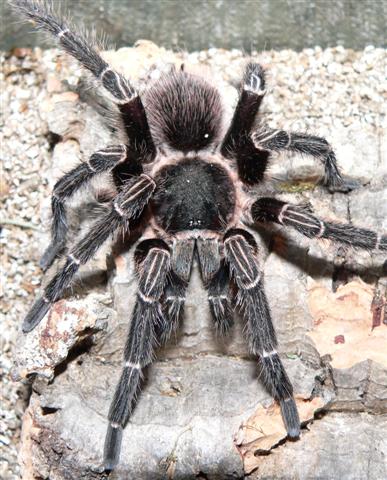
(265, 429)
(343, 324)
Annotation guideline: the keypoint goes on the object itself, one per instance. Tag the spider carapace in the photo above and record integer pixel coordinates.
(188, 177)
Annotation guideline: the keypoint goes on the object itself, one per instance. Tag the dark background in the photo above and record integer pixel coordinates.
(199, 24)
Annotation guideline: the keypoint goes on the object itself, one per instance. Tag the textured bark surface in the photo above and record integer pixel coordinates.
(202, 391)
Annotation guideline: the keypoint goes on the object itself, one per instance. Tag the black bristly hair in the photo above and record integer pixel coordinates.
(194, 125)
(180, 176)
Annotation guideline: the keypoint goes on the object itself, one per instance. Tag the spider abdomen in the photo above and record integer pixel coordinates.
(184, 112)
(193, 194)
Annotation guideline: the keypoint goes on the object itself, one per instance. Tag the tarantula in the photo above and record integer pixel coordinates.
(188, 177)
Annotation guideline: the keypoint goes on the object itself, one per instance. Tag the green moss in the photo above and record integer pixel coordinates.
(297, 187)
(292, 356)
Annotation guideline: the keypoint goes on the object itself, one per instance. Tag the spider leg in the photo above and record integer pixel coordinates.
(302, 220)
(250, 99)
(147, 317)
(101, 161)
(126, 206)
(240, 253)
(77, 45)
(280, 140)
(238, 143)
(44, 18)
(215, 275)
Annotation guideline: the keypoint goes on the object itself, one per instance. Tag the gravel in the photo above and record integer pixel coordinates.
(323, 91)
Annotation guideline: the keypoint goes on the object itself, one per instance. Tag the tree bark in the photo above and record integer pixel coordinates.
(203, 412)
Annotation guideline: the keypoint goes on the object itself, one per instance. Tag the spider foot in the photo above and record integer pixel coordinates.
(290, 417)
(254, 79)
(112, 447)
(340, 184)
(50, 254)
(35, 315)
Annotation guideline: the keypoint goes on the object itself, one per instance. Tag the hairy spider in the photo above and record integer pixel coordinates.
(190, 180)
